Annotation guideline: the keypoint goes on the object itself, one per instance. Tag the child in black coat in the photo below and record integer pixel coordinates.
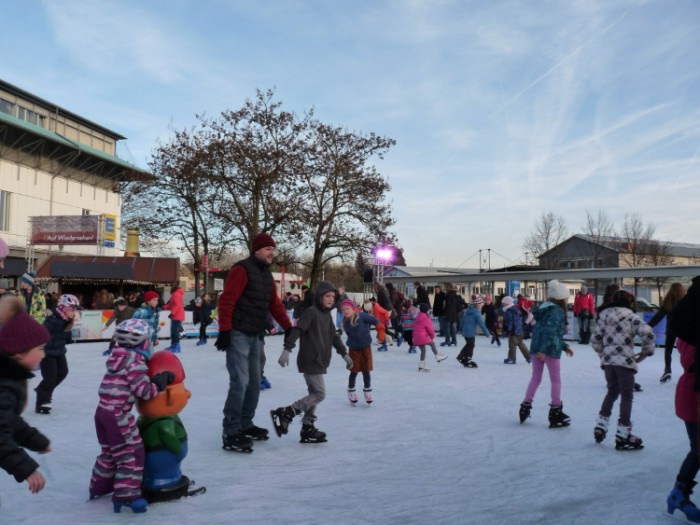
(22, 341)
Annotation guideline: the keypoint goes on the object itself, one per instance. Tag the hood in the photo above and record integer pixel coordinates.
(542, 309)
(322, 289)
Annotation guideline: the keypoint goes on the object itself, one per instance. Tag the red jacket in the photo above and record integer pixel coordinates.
(686, 405)
(176, 305)
(584, 301)
(236, 281)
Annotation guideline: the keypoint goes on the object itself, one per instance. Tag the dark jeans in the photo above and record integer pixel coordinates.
(584, 329)
(54, 370)
(451, 332)
(468, 348)
(620, 383)
(203, 332)
(668, 349)
(690, 465)
(175, 327)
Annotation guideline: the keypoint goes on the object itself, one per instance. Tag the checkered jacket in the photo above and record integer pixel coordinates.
(614, 334)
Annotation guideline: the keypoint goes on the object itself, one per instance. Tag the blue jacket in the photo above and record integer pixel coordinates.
(152, 318)
(512, 321)
(548, 333)
(470, 319)
(359, 336)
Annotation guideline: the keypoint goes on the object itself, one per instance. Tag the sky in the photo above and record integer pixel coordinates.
(444, 448)
(501, 110)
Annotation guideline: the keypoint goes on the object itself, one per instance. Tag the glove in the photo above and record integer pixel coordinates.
(223, 340)
(162, 379)
(284, 358)
(348, 362)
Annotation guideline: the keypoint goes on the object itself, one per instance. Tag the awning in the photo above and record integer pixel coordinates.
(13, 267)
(127, 269)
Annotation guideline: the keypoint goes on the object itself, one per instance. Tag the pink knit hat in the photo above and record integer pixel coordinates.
(22, 333)
(348, 302)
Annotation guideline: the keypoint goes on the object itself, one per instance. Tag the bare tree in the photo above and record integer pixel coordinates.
(550, 230)
(344, 200)
(637, 241)
(176, 204)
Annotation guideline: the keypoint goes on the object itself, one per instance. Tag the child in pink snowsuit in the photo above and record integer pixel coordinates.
(119, 467)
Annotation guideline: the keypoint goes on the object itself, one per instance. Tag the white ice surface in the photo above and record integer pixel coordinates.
(439, 447)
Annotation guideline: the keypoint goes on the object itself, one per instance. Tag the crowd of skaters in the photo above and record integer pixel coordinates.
(402, 318)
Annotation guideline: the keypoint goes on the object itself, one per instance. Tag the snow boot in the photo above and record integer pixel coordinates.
(281, 418)
(137, 505)
(601, 428)
(625, 440)
(310, 434)
(257, 433)
(680, 499)
(557, 417)
(525, 408)
(352, 396)
(666, 376)
(422, 367)
(237, 442)
(440, 357)
(368, 395)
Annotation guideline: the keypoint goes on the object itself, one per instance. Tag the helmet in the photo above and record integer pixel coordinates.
(68, 301)
(132, 333)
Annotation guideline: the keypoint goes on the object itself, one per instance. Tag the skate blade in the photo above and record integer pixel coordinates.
(312, 441)
(628, 447)
(560, 425)
(238, 449)
(279, 430)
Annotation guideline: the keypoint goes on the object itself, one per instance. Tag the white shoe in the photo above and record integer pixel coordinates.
(368, 395)
(352, 396)
(440, 357)
(422, 367)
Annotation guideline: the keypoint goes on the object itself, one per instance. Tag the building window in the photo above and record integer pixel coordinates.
(30, 116)
(5, 204)
(86, 213)
(6, 106)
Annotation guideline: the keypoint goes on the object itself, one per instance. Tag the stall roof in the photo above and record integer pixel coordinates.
(13, 267)
(133, 269)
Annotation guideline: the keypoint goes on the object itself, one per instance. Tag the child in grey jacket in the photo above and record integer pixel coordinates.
(317, 334)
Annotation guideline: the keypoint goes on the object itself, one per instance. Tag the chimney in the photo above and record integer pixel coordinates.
(132, 243)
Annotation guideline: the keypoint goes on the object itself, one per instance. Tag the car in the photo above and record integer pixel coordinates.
(644, 305)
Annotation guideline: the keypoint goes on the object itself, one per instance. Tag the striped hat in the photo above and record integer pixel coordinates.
(476, 300)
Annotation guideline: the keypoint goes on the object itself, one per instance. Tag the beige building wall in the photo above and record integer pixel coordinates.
(36, 193)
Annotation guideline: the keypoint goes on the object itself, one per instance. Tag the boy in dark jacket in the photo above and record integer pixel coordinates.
(201, 315)
(22, 341)
(318, 334)
(122, 312)
(54, 366)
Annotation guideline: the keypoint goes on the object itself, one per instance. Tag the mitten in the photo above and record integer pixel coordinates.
(284, 358)
(162, 379)
(348, 362)
(223, 340)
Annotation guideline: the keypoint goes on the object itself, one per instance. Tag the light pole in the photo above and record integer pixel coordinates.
(382, 256)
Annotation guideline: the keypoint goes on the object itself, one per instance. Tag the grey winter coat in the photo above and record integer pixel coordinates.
(317, 334)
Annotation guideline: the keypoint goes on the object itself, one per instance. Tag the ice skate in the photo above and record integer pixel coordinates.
(468, 362)
(440, 357)
(44, 409)
(557, 417)
(680, 499)
(368, 395)
(237, 442)
(625, 440)
(352, 396)
(638, 387)
(412, 350)
(265, 384)
(422, 367)
(382, 348)
(525, 408)
(666, 376)
(310, 434)
(281, 418)
(601, 429)
(257, 433)
(507, 361)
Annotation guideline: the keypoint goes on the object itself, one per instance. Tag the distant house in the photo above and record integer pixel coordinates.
(584, 251)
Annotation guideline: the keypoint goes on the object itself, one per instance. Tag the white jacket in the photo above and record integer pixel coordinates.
(613, 337)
